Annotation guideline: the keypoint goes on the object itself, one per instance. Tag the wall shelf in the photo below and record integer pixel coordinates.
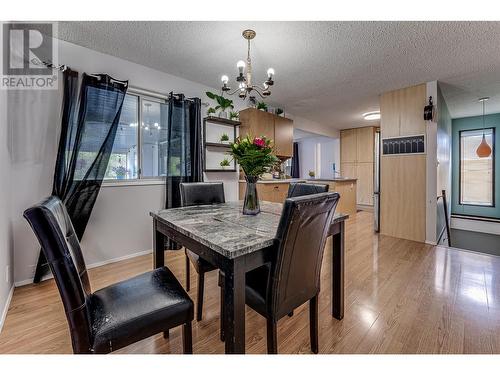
(213, 150)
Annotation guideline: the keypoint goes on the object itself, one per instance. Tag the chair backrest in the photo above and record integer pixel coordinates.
(53, 228)
(198, 193)
(298, 189)
(301, 238)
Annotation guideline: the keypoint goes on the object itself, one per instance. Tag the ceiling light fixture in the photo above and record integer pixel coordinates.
(484, 149)
(244, 78)
(375, 115)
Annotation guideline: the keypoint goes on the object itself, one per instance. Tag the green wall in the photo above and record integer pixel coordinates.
(471, 123)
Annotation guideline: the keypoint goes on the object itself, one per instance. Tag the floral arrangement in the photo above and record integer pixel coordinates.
(254, 155)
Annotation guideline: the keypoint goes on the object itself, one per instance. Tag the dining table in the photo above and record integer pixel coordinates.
(235, 244)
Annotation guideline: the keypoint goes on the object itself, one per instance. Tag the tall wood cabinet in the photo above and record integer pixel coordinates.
(403, 177)
(259, 123)
(357, 160)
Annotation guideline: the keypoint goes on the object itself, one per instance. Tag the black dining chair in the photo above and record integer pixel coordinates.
(293, 277)
(193, 194)
(298, 189)
(117, 315)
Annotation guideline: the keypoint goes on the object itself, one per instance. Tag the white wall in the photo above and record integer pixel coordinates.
(329, 153)
(115, 229)
(6, 248)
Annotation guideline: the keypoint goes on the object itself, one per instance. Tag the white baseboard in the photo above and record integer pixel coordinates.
(6, 307)
(89, 266)
(475, 225)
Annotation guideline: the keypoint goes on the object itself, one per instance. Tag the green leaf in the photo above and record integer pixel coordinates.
(211, 95)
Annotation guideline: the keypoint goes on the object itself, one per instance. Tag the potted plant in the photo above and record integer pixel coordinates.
(234, 116)
(279, 112)
(312, 174)
(211, 112)
(222, 104)
(225, 163)
(120, 172)
(224, 138)
(262, 106)
(255, 156)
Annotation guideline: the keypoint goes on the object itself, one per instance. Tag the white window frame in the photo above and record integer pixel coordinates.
(140, 180)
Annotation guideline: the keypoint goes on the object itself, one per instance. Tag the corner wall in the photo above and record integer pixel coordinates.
(6, 244)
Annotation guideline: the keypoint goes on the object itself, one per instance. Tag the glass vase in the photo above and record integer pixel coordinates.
(251, 204)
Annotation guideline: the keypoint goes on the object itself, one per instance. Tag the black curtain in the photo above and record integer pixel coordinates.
(88, 129)
(295, 161)
(184, 150)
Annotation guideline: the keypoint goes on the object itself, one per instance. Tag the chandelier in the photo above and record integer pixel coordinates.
(244, 78)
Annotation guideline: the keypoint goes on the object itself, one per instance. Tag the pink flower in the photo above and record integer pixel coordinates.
(259, 142)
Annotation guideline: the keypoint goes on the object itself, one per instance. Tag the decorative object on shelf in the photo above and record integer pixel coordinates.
(222, 104)
(262, 106)
(234, 115)
(211, 111)
(429, 111)
(244, 79)
(312, 174)
(225, 163)
(224, 138)
(484, 149)
(279, 112)
(255, 156)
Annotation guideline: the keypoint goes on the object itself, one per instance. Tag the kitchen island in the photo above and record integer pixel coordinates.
(276, 190)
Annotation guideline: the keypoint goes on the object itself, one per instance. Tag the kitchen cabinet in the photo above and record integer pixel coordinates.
(357, 158)
(267, 191)
(258, 123)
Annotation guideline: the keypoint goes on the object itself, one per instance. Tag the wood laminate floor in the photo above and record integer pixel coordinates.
(401, 297)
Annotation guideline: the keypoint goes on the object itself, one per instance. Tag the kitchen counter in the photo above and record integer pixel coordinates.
(339, 179)
(279, 181)
(276, 190)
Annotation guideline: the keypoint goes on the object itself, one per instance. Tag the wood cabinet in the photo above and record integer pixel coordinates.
(357, 157)
(283, 136)
(267, 191)
(347, 191)
(259, 123)
(403, 180)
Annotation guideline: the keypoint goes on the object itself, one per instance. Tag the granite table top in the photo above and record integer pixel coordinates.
(223, 227)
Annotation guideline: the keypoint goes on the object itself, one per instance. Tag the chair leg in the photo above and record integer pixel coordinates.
(290, 314)
(201, 286)
(188, 276)
(222, 313)
(313, 324)
(272, 337)
(166, 334)
(187, 338)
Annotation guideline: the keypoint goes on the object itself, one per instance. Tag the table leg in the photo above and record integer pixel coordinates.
(338, 273)
(234, 311)
(158, 248)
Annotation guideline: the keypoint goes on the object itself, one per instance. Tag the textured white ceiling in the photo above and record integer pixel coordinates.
(328, 72)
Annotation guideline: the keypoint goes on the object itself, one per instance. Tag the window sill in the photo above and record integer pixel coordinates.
(136, 182)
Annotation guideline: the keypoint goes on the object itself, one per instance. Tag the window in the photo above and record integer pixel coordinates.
(140, 147)
(476, 174)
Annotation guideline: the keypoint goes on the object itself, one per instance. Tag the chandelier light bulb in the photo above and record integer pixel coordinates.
(224, 79)
(270, 72)
(240, 65)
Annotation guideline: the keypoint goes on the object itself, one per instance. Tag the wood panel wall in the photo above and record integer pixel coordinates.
(403, 177)
(357, 160)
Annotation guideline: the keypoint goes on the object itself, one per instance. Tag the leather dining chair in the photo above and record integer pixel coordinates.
(192, 194)
(293, 277)
(115, 316)
(298, 189)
